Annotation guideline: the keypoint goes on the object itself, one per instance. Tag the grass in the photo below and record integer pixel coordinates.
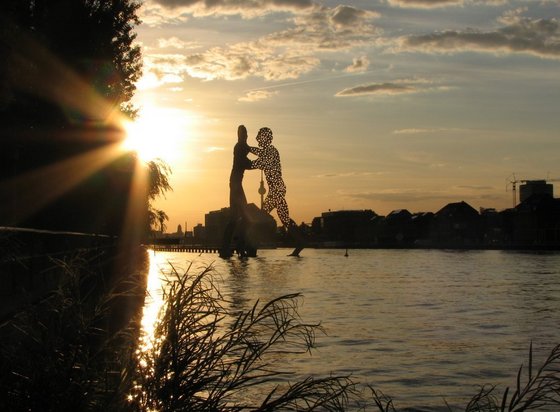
(66, 355)
(203, 357)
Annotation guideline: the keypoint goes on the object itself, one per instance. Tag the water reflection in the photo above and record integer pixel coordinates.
(419, 325)
(159, 264)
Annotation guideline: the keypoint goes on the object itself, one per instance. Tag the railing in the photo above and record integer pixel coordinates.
(29, 262)
(185, 248)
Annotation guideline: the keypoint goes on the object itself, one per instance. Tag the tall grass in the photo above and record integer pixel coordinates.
(64, 353)
(205, 358)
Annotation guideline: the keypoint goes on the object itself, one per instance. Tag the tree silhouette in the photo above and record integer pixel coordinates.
(68, 70)
(92, 38)
(162, 218)
(158, 185)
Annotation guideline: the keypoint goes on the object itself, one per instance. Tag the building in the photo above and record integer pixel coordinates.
(345, 226)
(456, 225)
(261, 229)
(535, 187)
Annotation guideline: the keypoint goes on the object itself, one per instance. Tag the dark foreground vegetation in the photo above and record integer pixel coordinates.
(71, 353)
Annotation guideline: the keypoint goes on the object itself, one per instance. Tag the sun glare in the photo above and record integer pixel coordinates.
(159, 133)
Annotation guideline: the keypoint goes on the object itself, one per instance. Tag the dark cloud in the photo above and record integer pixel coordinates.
(427, 4)
(537, 37)
(347, 16)
(379, 88)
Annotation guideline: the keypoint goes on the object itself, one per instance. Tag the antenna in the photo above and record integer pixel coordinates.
(262, 190)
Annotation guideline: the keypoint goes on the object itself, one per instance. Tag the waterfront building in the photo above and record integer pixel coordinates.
(535, 187)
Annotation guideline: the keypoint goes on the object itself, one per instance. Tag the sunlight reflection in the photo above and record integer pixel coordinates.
(154, 300)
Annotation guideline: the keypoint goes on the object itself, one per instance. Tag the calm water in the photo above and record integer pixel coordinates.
(419, 325)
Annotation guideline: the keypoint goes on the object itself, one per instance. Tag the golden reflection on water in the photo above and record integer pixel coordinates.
(154, 299)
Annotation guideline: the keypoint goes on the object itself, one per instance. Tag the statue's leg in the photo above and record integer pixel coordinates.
(291, 227)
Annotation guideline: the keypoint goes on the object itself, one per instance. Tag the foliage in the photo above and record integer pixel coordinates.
(204, 357)
(541, 390)
(62, 354)
(91, 38)
(158, 175)
(158, 185)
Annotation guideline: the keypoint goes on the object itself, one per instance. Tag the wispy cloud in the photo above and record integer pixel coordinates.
(402, 195)
(411, 131)
(396, 87)
(349, 174)
(539, 37)
(378, 89)
(429, 4)
(256, 95)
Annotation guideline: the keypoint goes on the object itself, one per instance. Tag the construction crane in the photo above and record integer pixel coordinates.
(515, 181)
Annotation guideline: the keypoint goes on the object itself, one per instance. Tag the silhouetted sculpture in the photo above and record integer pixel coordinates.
(269, 161)
(237, 199)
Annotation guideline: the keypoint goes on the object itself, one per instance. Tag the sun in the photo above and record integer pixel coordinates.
(159, 132)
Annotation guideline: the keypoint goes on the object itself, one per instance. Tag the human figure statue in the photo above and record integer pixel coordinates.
(237, 199)
(268, 160)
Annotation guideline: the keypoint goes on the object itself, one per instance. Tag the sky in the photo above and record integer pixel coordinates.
(374, 104)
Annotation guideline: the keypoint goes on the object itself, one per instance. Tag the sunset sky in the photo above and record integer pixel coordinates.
(374, 104)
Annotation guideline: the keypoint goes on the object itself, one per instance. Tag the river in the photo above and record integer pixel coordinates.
(424, 326)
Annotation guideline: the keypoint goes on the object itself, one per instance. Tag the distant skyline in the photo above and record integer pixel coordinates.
(378, 105)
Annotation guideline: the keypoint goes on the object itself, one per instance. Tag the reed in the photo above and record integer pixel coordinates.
(204, 357)
(60, 354)
(534, 389)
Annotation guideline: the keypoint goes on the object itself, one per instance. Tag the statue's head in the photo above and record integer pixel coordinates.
(242, 134)
(264, 137)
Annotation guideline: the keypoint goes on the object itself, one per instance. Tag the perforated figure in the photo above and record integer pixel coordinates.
(269, 161)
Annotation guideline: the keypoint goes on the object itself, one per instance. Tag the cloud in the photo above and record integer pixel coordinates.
(474, 187)
(247, 8)
(538, 37)
(248, 59)
(281, 55)
(324, 29)
(256, 95)
(359, 64)
(378, 89)
(429, 4)
(402, 195)
(402, 86)
(349, 174)
(427, 131)
(161, 69)
(176, 43)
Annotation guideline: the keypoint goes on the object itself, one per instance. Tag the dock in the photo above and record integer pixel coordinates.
(184, 248)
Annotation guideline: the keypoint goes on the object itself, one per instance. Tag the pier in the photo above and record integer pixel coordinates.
(185, 248)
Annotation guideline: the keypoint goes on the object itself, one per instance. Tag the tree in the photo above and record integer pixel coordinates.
(67, 75)
(158, 185)
(93, 39)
